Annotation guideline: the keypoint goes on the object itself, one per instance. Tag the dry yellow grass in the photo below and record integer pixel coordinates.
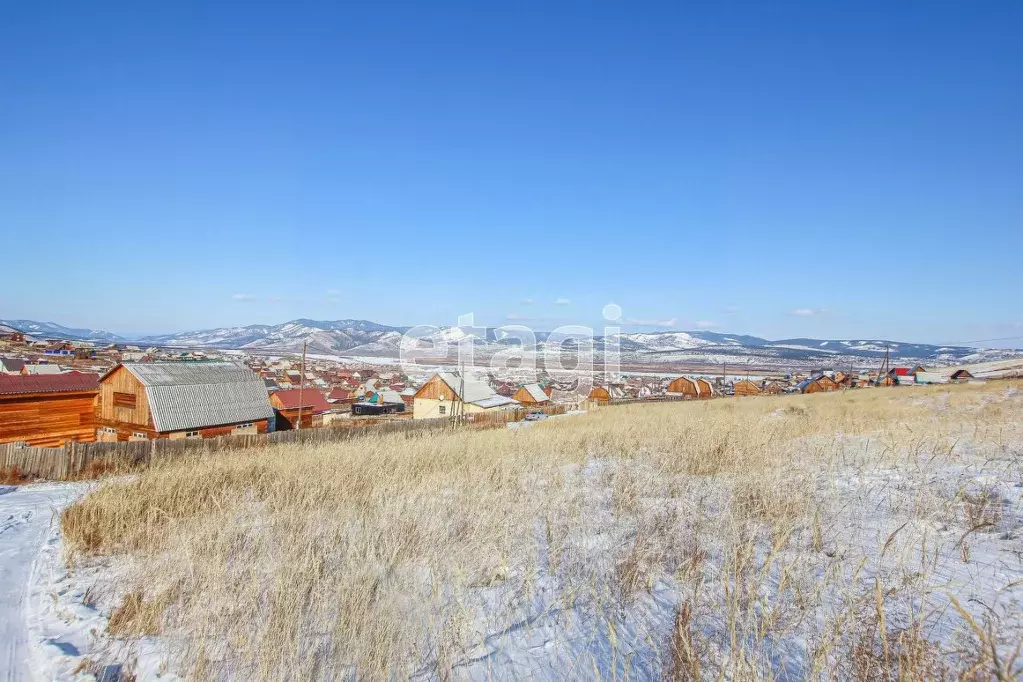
(682, 541)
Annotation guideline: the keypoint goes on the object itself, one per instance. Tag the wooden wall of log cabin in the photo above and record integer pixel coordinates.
(683, 385)
(435, 389)
(48, 419)
(744, 388)
(111, 409)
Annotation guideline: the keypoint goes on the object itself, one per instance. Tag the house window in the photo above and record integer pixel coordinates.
(124, 400)
(192, 434)
(443, 409)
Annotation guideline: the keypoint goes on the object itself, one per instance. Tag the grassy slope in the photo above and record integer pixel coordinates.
(766, 536)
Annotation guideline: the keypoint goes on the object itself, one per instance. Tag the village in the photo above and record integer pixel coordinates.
(55, 391)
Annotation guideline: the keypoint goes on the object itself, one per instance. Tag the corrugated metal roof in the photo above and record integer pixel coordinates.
(472, 391)
(311, 398)
(536, 393)
(494, 401)
(194, 395)
(13, 384)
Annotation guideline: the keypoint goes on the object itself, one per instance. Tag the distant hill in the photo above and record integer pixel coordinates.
(52, 330)
(362, 337)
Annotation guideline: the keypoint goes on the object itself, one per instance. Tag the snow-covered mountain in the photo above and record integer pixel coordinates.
(337, 336)
(52, 330)
(362, 337)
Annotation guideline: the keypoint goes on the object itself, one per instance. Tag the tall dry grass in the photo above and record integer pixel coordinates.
(682, 541)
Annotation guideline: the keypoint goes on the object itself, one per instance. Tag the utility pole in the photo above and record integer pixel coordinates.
(301, 388)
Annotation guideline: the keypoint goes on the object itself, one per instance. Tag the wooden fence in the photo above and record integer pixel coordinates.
(497, 419)
(77, 460)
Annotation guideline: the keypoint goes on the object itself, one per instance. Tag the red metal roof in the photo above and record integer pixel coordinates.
(48, 383)
(340, 394)
(901, 371)
(312, 398)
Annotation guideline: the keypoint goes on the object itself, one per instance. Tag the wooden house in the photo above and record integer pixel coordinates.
(181, 400)
(307, 402)
(705, 388)
(772, 388)
(600, 395)
(961, 375)
(48, 410)
(821, 384)
(691, 388)
(448, 393)
(531, 395)
(745, 387)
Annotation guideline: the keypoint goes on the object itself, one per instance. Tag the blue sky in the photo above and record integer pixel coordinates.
(816, 169)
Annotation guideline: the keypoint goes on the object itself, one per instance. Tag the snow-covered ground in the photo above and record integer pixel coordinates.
(53, 622)
(28, 520)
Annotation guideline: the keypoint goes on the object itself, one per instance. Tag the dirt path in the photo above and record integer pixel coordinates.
(26, 515)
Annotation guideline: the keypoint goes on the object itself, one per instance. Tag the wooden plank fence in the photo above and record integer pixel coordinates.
(78, 460)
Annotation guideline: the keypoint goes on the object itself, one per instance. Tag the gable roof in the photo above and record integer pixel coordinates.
(12, 364)
(472, 391)
(13, 384)
(192, 395)
(311, 399)
(536, 393)
(338, 393)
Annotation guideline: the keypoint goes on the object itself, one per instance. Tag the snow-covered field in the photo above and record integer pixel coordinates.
(872, 534)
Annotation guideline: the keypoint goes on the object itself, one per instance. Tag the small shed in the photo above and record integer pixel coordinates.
(531, 394)
(600, 395)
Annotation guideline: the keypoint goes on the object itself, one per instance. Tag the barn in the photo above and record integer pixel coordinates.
(531, 394)
(139, 401)
(48, 410)
(745, 387)
(449, 393)
(600, 395)
(290, 403)
(691, 388)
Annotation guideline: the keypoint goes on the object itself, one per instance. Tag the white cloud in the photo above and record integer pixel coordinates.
(526, 301)
(563, 301)
(647, 322)
(809, 312)
(244, 297)
(704, 324)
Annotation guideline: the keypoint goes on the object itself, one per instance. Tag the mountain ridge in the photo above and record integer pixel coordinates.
(364, 337)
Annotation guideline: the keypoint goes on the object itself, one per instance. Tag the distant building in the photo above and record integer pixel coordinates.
(307, 402)
(448, 393)
(139, 401)
(531, 394)
(821, 384)
(744, 388)
(12, 366)
(691, 388)
(34, 369)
